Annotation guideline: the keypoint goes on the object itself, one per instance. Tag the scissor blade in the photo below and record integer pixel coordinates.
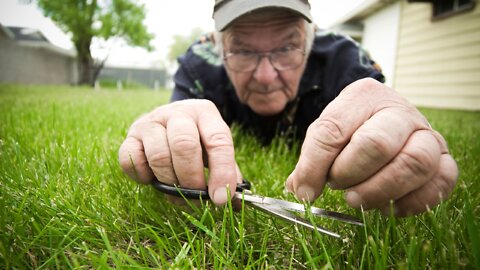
(300, 208)
(288, 216)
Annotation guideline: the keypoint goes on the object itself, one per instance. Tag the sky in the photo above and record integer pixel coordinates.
(164, 19)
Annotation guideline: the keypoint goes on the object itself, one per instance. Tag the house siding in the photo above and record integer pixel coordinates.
(438, 62)
(34, 65)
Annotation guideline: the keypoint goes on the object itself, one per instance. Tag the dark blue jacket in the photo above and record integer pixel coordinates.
(334, 62)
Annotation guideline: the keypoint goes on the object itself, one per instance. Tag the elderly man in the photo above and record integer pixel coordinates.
(268, 70)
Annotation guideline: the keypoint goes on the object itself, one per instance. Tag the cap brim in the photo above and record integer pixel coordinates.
(232, 10)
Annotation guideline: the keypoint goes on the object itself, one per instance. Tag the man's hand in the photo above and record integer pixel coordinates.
(379, 148)
(169, 143)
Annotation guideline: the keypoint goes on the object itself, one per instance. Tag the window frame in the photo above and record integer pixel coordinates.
(455, 11)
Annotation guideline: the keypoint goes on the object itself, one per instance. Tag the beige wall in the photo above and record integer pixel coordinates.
(438, 63)
(34, 65)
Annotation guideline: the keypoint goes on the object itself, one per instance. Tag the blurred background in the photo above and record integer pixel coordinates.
(429, 50)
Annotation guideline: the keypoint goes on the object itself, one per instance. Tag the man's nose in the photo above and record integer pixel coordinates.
(265, 72)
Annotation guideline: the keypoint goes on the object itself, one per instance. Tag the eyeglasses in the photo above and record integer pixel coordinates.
(282, 59)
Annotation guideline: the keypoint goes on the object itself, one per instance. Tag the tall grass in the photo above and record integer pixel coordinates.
(64, 202)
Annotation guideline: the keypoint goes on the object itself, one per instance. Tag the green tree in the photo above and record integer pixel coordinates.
(106, 19)
(181, 43)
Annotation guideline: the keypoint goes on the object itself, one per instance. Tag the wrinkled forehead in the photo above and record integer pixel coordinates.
(283, 23)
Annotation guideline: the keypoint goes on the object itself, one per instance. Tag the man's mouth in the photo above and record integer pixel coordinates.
(264, 91)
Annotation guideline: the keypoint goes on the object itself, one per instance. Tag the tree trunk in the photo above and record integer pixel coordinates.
(84, 66)
(85, 62)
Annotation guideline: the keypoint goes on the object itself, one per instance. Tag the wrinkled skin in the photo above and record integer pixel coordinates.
(369, 141)
(372, 143)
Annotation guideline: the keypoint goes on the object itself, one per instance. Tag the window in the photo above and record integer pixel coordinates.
(447, 8)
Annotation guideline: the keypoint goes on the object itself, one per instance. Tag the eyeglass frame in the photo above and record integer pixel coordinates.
(261, 55)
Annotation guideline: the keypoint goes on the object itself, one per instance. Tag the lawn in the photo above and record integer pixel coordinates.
(64, 202)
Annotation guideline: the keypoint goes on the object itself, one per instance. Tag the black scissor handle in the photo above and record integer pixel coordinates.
(193, 193)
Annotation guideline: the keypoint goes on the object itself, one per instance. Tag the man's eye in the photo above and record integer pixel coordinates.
(244, 52)
(285, 49)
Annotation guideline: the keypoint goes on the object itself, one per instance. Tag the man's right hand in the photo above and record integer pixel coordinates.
(169, 144)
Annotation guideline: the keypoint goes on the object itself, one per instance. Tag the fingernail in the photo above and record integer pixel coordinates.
(220, 196)
(305, 193)
(353, 199)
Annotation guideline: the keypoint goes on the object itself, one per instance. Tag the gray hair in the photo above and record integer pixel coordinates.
(309, 36)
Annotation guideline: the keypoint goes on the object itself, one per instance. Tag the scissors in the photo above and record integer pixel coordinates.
(282, 209)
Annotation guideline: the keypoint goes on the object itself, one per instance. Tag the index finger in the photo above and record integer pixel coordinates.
(218, 143)
(215, 137)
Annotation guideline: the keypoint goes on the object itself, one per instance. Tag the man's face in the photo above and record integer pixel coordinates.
(266, 90)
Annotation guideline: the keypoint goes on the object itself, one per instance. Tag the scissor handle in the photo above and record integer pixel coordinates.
(192, 193)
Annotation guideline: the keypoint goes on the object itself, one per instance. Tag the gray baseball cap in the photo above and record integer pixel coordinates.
(226, 11)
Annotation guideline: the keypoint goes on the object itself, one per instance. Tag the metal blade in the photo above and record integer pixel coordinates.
(300, 208)
(288, 216)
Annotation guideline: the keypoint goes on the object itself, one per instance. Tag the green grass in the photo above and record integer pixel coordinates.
(64, 202)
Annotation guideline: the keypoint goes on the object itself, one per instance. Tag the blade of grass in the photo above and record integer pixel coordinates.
(473, 232)
(202, 227)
